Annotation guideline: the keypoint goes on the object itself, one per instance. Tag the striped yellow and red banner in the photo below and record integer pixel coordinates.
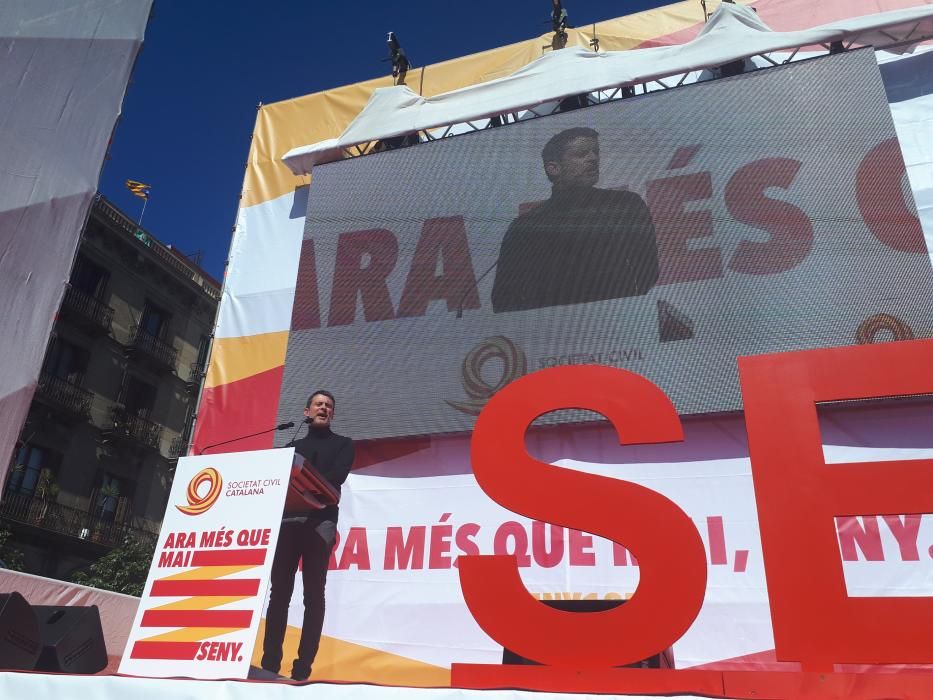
(202, 590)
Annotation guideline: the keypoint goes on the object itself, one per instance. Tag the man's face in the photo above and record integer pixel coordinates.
(578, 165)
(321, 411)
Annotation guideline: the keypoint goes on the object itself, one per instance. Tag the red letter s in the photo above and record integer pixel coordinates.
(668, 546)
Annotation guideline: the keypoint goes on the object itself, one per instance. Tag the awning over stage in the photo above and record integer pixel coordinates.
(733, 32)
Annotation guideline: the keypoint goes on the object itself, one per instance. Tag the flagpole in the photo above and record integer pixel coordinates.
(139, 223)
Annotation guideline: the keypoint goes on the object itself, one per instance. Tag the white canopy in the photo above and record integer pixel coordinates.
(732, 33)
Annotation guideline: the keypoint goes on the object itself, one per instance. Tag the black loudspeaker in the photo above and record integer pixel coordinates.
(19, 633)
(663, 660)
(72, 639)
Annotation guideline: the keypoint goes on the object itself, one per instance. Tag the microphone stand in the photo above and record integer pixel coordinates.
(281, 426)
(472, 287)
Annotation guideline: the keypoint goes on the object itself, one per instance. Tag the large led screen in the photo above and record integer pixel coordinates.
(666, 234)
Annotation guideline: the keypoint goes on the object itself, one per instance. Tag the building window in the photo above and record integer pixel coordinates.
(89, 277)
(138, 397)
(65, 360)
(203, 347)
(34, 472)
(111, 497)
(154, 321)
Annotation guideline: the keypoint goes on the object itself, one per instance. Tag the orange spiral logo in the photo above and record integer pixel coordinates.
(513, 362)
(198, 504)
(873, 325)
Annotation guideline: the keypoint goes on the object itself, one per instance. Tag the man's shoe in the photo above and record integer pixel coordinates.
(263, 674)
(299, 676)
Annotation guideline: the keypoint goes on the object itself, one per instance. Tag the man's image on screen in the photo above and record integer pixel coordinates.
(583, 244)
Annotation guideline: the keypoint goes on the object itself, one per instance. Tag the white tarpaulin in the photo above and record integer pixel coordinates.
(64, 71)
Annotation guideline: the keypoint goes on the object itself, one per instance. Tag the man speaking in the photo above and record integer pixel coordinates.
(310, 537)
(583, 244)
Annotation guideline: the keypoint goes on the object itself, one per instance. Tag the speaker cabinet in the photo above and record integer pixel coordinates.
(72, 639)
(663, 660)
(19, 633)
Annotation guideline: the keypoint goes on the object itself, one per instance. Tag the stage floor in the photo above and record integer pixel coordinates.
(19, 686)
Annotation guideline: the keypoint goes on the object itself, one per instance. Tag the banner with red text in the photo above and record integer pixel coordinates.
(394, 596)
(199, 613)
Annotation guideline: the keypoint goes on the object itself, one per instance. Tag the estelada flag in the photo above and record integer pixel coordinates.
(138, 188)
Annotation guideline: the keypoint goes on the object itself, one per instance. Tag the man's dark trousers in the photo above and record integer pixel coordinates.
(312, 542)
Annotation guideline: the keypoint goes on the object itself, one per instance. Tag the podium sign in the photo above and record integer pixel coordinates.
(201, 606)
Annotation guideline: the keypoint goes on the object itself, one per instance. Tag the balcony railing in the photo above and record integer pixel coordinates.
(127, 426)
(179, 447)
(87, 310)
(65, 396)
(196, 372)
(155, 348)
(195, 375)
(75, 522)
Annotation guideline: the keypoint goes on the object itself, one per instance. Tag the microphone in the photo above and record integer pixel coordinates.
(280, 426)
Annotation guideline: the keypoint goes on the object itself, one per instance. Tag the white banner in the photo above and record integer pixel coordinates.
(199, 614)
(394, 586)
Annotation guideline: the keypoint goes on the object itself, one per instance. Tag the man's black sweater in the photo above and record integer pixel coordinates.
(584, 244)
(331, 455)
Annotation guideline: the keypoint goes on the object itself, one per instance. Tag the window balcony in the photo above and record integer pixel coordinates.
(130, 428)
(81, 524)
(156, 351)
(70, 400)
(84, 310)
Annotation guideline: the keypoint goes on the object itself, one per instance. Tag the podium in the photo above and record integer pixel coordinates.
(223, 515)
(201, 607)
(308, 490)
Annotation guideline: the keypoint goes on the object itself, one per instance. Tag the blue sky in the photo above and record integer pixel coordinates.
(206, 64)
